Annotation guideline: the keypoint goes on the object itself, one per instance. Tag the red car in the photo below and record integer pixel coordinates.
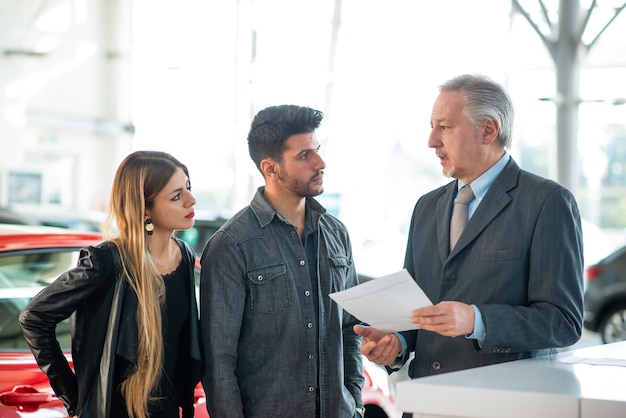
(31, 258)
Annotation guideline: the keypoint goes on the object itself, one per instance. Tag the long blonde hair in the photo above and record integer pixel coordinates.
(139, 178)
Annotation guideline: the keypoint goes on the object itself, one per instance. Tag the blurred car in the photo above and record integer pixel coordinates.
(9, 216)
(605, 297)
(78, 220)
(31, 257)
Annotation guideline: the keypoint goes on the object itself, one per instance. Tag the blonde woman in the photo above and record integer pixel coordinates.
(135, 344)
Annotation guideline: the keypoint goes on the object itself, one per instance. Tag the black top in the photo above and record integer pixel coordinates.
(175, 321)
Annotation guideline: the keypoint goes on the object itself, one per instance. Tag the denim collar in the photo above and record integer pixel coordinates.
(265, 212)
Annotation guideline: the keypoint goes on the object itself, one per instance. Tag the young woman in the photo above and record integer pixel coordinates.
(135, 343)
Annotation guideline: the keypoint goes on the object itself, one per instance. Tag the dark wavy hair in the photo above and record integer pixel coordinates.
(272, 126)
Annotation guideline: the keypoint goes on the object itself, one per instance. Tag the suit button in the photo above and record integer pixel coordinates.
(507, 351)
(436, 365)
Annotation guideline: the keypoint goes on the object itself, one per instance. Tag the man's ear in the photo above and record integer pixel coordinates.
(268, 167)
(490, 130)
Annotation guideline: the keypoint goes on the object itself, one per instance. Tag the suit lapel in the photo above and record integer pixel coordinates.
(494, 202)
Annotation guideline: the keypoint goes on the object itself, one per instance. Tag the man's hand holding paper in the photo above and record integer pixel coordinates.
(386, 303)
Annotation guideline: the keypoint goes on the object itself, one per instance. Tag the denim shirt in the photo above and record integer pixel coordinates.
(258, 319)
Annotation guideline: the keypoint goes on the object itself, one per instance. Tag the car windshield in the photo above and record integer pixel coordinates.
(22, 275)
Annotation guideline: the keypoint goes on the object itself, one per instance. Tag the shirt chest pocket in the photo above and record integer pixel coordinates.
(269, 288)
(339, 269)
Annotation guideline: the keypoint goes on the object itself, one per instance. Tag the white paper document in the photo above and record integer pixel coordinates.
(385, 303)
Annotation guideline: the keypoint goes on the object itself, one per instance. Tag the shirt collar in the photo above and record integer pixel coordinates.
(482, 183)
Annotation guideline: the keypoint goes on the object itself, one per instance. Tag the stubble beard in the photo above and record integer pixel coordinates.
(302, 189)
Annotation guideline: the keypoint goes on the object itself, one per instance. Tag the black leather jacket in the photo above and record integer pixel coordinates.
(94, 292)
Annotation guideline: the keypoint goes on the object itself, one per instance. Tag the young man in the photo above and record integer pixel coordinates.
(509, 286)
(275, 344)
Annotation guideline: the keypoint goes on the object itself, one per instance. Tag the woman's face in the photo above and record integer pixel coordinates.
(173, 207)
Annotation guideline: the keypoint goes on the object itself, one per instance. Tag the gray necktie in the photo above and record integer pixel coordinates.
(459, 216)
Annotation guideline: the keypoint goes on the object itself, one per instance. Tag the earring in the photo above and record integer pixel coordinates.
(149, 226)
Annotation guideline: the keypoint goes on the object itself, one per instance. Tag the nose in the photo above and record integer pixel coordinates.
(191, 200)
(433, 140)
(321, 164)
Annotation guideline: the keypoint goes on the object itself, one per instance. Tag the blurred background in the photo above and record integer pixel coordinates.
(85, 82)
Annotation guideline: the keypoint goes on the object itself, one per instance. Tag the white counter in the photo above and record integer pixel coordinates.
(544, 387)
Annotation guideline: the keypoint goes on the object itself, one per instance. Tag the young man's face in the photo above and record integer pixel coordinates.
(301, 170)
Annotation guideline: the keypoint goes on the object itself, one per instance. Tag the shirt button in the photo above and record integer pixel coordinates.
(309, 325)
(436, 365)
(293, 233)
(311, 389)
(260, 278)
(311, 357)
(307, 293)
(301, 262)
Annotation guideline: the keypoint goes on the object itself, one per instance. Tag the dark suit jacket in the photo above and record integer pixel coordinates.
(519, 260)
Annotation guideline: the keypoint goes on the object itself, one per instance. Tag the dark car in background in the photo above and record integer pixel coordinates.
(605, 297)
(31, 257)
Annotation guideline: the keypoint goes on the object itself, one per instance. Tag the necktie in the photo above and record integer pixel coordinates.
(459, 216)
